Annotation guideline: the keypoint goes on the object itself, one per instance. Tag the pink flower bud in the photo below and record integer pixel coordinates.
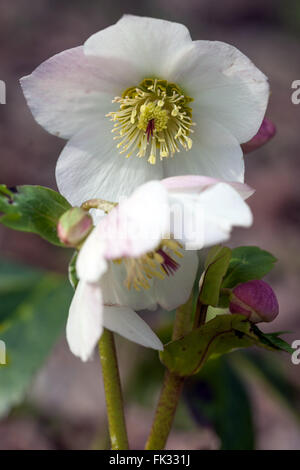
(74, 226)
(256, 300)
(265, 133)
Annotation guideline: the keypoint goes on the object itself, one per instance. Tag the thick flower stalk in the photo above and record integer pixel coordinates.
(141, 101)
(136, 259)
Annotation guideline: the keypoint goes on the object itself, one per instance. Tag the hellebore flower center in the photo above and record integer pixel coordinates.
(155, 264)
(154, 119)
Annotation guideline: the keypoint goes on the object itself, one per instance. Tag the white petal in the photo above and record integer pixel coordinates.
(127, 323)
(213, 214)
(174, 290)
(91, 264)
(84, 326)
(90, 166)
(215, 153)
(225, 85)
(222, 201)
(115, 293)
(137, 225)
(244, 190)
(195, 184)
(71, 90)
(150, 45)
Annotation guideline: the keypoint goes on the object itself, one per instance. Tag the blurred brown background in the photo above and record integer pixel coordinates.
(268, 32)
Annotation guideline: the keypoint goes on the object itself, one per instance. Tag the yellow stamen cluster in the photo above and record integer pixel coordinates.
(154, 119)
(155, 264)
(153, 111)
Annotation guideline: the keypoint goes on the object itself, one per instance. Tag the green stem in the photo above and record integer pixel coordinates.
(165, 412)
(182, 322)
(171, 388)
(113, 393)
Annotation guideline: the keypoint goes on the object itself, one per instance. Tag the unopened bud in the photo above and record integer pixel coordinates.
(256, 300)
(265, 133)
(74, 226)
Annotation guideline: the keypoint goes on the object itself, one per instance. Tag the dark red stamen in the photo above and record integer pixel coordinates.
(150, 129)
(169, 265)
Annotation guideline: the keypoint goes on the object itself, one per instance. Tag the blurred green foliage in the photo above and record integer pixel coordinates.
(33, 312)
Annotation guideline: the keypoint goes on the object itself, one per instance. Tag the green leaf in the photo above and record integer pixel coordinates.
(273, 340)
(216, 266)
(247, 263)
(4, 191)
(33, 209)
(218, 397)
(29, 330)
(221, 335)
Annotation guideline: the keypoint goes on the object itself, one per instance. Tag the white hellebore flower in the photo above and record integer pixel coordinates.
(142, 88)
(130, 262)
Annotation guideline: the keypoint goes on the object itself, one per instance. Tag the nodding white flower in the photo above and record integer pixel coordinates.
(132, 260)
(143, 89)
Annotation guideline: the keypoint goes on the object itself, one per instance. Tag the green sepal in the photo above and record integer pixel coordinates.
(73, 278)
(216, 266)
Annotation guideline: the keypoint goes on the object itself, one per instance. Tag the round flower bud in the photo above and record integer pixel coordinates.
(256, 300)
(74, 226)
(265, 133)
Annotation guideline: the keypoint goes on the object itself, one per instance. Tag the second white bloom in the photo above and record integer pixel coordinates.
(135, 258)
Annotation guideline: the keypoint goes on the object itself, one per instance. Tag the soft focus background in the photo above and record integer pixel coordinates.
(64, 406)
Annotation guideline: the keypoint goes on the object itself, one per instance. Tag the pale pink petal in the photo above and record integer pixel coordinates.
(137, 225)
(197, 184)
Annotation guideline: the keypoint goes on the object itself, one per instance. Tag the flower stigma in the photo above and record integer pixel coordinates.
(155, 264)
(154, 120)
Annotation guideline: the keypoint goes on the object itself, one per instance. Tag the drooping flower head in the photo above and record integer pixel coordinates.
(135, 258)
(141, 101)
